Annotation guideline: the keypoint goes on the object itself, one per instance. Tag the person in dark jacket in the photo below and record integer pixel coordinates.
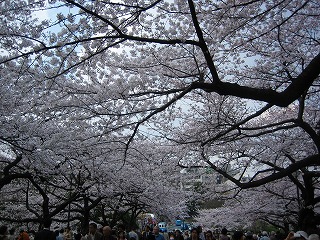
(45, 233)
(4, 232)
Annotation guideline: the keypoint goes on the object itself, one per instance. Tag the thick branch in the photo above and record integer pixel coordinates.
(309, 161)
(281, 99)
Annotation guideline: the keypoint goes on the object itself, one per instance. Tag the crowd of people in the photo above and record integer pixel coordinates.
(149, 233)
(45, 234)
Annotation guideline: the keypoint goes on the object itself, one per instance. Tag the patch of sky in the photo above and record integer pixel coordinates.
(50, 12)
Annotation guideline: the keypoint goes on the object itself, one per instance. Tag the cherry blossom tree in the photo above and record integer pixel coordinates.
(276, 204)
(72, 191)
(225, 84)
(237, 157)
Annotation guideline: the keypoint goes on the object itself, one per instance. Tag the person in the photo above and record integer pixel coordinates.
(23, 235)
(209, 235)
(238, 235)
(313, 237)
(273, 235)
(200, 233)
(147, 232)
(186, 235)
(45, 233)
(178, 235)
(133, 234)
(121, 236)
(11, 235)
(60, 235)
(93, 234)
(138, 232)
(3, 232)
(171, 236)
(68, 235)
(156, 233)
(122, 230)
(249, 236)
(264, 236)
(194, 234)
(300, 235)
(165, 234)
(78, 235)
(224, 234)
(290, 236)
(107, 233)
(31, 234)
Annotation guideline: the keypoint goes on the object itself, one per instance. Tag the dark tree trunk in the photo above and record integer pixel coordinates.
(307, 218)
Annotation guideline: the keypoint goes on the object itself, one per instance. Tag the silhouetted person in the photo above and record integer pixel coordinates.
(45, 233)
